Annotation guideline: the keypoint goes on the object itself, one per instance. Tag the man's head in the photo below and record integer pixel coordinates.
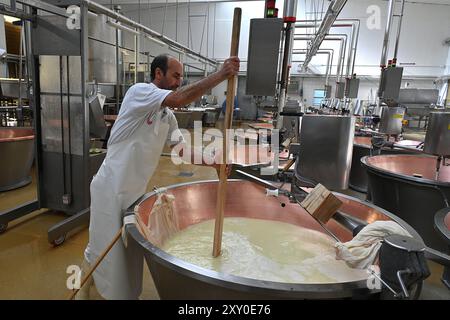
(166, 72)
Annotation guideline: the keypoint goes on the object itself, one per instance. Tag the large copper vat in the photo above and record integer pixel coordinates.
(406, 186)
(17, 153)
(362, 146)
(196, 201)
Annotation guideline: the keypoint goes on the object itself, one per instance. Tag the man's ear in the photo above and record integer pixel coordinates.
(157, 72)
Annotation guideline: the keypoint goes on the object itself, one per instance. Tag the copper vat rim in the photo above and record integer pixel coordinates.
(399, 175)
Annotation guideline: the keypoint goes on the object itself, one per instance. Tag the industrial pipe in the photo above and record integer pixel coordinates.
(333, 11)
(329, 52)
(355, 25)
(340, 37)
(386, 34)
(289, 17)
(398, 31)
(110, 13)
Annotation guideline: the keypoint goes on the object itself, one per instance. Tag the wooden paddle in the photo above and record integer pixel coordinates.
(231, 91)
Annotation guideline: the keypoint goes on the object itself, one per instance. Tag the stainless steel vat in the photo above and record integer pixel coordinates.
(406, 186)
(196, 201)
(362, 147)
(184, 119)
(437, 140)
(17, 153)
(326, 143)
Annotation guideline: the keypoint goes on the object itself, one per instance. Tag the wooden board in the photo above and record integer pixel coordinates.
(321, 203)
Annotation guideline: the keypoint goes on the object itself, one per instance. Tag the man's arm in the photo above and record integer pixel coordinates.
(190, 93)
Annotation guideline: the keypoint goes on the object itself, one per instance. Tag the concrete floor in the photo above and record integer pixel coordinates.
(31, 268)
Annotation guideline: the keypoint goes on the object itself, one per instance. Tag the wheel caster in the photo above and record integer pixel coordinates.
(59, 241)
(3, 227)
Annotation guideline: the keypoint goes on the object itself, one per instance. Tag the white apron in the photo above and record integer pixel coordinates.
(120, 181)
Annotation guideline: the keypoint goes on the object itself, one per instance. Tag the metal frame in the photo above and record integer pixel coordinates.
(57, 233)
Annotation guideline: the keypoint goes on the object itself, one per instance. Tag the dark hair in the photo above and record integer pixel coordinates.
(160, 62)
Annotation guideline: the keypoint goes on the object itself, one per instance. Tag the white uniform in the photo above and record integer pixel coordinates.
(134, 148)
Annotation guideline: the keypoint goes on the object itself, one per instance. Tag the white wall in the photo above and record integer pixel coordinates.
(425, 26)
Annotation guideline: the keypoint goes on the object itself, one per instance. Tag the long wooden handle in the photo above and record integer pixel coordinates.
(231, 91)
(99, 259)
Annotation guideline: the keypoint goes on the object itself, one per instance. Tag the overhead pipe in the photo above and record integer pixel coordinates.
(118, 17)
(385, 47)
(341, 23)
(289, 18)
(398, 32)
(334, 37)
(329, 52)
(330, 17)
(386, 34)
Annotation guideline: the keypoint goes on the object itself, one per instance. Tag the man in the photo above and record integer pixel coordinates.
(143, 126)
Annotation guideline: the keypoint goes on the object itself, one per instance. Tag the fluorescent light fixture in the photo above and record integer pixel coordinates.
(10, 19)
(121, 27)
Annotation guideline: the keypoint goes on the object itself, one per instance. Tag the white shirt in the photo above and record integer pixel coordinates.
(141, 103)
(134, 148)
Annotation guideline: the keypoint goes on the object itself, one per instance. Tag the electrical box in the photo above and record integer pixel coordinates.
(391, 120)
(437, 139)
(352, 88)
(391, 80)
(340, 90)
(263, 55)
(326, 150)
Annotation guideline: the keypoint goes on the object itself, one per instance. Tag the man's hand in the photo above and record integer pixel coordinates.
(228, 169)
(230, 67)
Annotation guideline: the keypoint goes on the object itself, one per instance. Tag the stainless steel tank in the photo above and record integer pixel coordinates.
(362, 146)
(406, 186)
(437, 139)
(184, 119)
(196, 201)
(17, 153)
(391, 120)
(102, 50)
(326, 143)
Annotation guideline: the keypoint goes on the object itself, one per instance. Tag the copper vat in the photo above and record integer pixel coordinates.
(17, 153)
(196, 201)
(362, 146)
(406, 186)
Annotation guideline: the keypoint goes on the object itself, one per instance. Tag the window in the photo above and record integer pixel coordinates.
(319, 95)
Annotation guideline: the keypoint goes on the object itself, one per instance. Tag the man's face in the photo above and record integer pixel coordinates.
(173, 77)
